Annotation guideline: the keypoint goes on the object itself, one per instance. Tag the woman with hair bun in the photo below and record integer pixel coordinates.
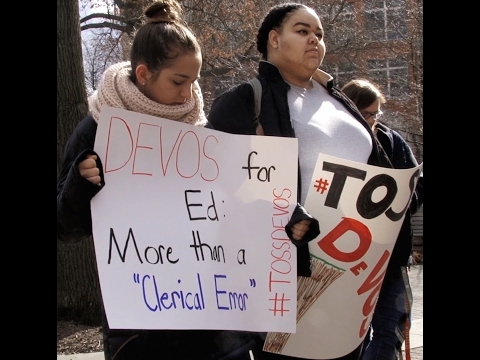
(159, 80)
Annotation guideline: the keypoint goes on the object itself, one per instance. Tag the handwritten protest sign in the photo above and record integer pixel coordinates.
(189, 228)
(360, 209)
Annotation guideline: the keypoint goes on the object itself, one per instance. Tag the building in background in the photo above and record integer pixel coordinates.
(381, 40)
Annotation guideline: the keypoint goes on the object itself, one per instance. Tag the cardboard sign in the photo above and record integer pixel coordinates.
(361, 209)
(190, 226)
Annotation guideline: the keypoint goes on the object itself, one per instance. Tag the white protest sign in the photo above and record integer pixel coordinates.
(360, 209)
(189, 228)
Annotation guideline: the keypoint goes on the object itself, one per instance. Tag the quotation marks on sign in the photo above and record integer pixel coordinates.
(136, 279)
(321, 185)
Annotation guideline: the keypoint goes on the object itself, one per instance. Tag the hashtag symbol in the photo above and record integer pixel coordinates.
(279, 301)
(321, 185)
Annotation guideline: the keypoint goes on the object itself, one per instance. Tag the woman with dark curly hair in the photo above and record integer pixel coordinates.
(298, 100)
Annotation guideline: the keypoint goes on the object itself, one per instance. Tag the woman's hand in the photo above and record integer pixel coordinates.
(299, 229)
(89, 170)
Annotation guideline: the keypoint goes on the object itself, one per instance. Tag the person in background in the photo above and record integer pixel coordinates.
(160, 80)
(298, 100)
(382, 342)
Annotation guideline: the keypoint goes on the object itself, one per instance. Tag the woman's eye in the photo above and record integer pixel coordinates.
(177, 83)
(303, 31)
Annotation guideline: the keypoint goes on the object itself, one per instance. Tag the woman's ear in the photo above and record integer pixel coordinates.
(273, 38)
(142, 74)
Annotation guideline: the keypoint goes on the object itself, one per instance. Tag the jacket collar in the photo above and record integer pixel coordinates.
(269, 70)
(323, 78)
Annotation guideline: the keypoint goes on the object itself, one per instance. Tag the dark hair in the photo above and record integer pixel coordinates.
(363, 93)
(274, 20)
(162, 38)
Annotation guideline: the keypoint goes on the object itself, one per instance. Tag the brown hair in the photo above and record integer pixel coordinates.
(363, 93)
(162, 38)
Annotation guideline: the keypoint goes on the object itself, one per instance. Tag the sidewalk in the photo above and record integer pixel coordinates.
(416, 330)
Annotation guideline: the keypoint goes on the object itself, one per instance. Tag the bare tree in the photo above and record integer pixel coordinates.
(99, 52)
(121, 15)
(71, 97)
(107, 29)
(77, 281)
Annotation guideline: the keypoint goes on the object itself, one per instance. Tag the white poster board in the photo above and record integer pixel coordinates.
(189, 228)
(360, 209)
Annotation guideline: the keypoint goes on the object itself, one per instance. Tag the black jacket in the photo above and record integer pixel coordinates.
(74, 222)
(234, 112)
(402, 157)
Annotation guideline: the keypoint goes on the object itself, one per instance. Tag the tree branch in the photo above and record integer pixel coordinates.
(105, 25)
(102, 16)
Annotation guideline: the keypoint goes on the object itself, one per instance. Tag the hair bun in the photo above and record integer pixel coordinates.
(164, 11)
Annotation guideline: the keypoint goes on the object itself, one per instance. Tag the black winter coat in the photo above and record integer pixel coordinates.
(234, 112)
(74, 221)
(402, 157)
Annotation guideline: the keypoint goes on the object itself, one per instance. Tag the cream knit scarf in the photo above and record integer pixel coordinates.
(117, 90)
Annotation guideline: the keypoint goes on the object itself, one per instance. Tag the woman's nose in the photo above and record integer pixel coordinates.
(187, 92)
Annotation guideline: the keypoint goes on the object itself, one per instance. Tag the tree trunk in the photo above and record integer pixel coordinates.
(71, 94)
(78, 295)
(78, 288)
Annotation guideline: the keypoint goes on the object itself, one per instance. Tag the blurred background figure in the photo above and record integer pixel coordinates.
(387, 330)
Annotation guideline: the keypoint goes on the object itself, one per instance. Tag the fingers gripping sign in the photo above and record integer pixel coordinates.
(89, 170)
